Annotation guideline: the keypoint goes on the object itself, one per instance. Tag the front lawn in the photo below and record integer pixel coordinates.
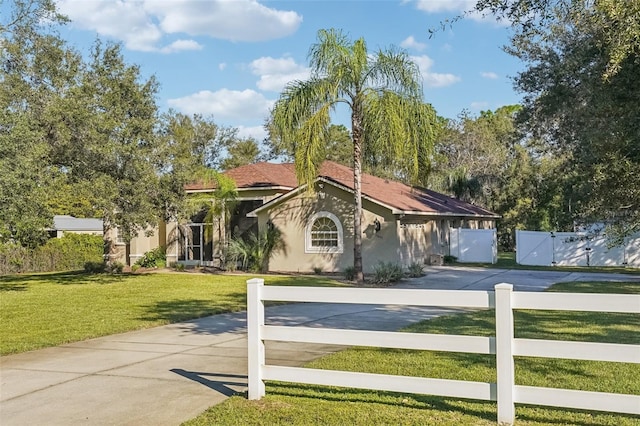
(296, 404)
(40, 310)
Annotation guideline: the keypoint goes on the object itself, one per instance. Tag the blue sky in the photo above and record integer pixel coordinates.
(230, 59)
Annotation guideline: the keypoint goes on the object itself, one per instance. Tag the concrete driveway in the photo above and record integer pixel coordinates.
(167, 375)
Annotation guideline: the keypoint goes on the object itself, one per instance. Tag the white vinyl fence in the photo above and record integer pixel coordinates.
(503, 345)
(574, 249)
(473, 245)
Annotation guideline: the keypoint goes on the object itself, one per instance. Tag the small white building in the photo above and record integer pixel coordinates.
(66, 223)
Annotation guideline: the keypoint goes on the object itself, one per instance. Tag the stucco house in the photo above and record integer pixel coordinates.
(401, 223)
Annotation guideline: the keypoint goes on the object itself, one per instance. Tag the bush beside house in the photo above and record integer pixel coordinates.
(71, 252)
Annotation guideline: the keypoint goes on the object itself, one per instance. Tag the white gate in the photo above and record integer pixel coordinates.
(473, 245)
(574, 249)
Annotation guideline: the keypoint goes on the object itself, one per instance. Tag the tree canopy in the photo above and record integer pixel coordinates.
(618, 23)
(84, 136)
(582, 103)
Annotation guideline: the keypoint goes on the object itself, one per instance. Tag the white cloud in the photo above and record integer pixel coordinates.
(222, 66)
(411, 43)
(490, 75)
(246, 106)
(276, 73)
(436, 79)
(142, 24)
(432, 79)
(257, 132)
(479, 105)
(436, 6)
(180, 45)
(237, 20)
(463, 7)
(125, 21)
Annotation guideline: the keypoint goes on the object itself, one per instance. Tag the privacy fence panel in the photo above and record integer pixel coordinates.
(473, 245)
(539, 248)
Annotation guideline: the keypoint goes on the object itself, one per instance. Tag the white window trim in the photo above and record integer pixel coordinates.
(308, 248)
(119, 237)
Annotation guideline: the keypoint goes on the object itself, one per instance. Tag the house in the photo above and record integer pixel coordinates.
(65, 223)
(401, 223)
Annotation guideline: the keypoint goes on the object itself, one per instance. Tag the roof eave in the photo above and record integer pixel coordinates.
(249, 188)
(474, 215)
(394, 210)
(283, 197)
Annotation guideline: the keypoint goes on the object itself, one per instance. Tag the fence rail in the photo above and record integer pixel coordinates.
(503, 345)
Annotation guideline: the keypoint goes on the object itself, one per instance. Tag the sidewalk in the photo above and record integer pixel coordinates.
(170, 374)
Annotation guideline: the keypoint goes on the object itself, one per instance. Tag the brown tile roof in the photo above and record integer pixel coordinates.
(395, 195)
(258, 175)
(401, 197)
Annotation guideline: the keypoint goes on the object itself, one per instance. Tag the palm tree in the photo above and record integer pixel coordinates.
(384, 94)
(217, 204)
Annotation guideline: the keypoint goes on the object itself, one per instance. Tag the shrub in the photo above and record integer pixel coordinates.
(387, 272)
(12, 258)
(254, 254)
(134, 267)
(70, 252)
(350, 273)
(450, 259)
(115, 268)
(415, 269)
(179, 266)
(153, 258)
(95, 267)
(317, 270)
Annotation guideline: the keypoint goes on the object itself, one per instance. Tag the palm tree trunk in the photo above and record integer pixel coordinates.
(356, 129)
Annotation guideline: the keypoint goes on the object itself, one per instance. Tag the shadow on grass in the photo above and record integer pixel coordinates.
(303, 281)
(13, 286)
(481, 410)
(60, 278)
(601, 327)
(604, 327)
(564, 416)
(485, 410)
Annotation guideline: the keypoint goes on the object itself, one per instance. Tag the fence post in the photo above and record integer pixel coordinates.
(255, 344)
(504, 354)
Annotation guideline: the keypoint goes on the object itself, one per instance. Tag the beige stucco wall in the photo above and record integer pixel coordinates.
(292, 217)
(151, 238)
(415, 239)
(143, 242)
(401, 239)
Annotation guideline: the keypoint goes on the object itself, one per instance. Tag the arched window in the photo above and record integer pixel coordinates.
(323, 234)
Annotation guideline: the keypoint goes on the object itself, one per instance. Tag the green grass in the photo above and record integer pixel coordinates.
(40, 310)
(295, 404)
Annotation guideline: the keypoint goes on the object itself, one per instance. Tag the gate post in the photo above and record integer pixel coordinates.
(255, 344)
(504, 354)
